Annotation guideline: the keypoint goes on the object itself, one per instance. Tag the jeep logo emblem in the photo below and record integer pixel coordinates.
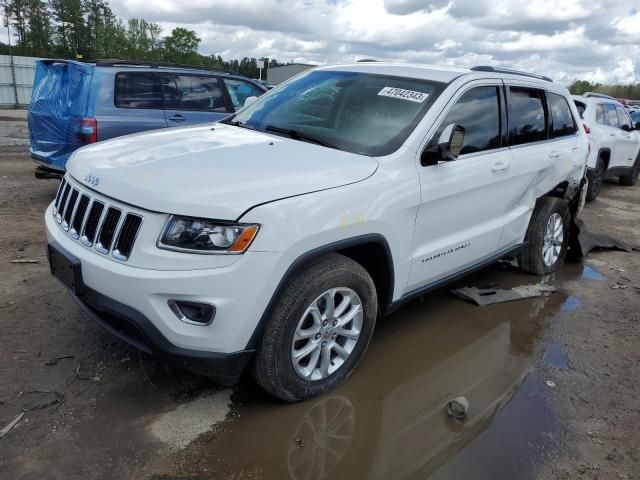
(92, 179)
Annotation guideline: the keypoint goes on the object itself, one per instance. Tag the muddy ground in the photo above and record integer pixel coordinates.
(552, 382)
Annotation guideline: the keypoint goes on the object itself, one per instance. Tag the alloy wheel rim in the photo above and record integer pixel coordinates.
(553, 239)
(327, 333)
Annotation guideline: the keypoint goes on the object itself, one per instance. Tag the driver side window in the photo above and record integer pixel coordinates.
(478, 112)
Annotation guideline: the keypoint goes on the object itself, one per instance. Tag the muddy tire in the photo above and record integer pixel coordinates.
(596, 177)
(311, 317)
(631, 178)
(547, 237)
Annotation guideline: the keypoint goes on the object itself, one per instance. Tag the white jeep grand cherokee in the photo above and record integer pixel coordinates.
(279, 236)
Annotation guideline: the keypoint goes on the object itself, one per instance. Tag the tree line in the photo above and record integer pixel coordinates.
(629, 91)
(89, 30)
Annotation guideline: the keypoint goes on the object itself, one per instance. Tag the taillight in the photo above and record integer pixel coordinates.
(89, 130)
(586, 129)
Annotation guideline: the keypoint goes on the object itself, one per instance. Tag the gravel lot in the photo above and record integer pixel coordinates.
(552, 382)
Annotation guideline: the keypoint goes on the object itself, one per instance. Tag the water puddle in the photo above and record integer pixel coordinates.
(389, 419)
(591, 273)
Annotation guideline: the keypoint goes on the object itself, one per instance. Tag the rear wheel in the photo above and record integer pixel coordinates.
(318, 331)
(547, 237)
(596, 177)
(631, 178)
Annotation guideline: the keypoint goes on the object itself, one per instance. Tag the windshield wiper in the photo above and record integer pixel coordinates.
(238, 123)
(297, 135)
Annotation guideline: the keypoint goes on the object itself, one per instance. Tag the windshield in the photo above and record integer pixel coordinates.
(357, 112)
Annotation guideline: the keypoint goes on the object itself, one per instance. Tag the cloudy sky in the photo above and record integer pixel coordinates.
(596, 40)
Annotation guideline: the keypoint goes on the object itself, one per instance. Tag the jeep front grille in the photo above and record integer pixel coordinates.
(94, 222)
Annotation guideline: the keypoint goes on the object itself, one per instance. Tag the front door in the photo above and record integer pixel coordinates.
(627, 139)
(460, 218)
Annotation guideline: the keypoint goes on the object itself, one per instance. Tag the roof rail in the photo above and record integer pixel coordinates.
(487, 68)
(599, 95)
(150, 64)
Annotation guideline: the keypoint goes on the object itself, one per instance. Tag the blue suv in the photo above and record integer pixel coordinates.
(75, 103)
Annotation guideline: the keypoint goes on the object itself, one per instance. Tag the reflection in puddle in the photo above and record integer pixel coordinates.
(592, 273)
(389, 421)
(555, 356)
(570, 304)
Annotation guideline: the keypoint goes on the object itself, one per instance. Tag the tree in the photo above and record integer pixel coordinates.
(71, 29)
(181, 44)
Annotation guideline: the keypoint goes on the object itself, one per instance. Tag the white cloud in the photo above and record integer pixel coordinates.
(564, 39)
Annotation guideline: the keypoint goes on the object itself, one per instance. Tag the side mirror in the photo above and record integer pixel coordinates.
(627, 128)
(249, 100)
(450, 142)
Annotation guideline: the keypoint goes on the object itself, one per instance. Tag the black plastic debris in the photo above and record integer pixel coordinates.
(588, 241)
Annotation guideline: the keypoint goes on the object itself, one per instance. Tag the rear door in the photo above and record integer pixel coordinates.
(192, 98)
(534, 158)
(132, 105)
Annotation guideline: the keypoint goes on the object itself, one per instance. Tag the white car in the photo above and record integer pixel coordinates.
(615, 141)
(279, 236)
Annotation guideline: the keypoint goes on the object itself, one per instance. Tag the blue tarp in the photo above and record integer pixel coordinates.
(59, 101)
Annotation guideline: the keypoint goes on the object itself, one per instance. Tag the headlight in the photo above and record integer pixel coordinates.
(199, 235)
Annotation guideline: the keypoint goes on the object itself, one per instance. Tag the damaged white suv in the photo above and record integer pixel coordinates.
(276, 238)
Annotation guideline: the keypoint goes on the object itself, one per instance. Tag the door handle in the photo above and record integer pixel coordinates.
(498, 166)
(177, 118)
(554, 154)
(612, 134)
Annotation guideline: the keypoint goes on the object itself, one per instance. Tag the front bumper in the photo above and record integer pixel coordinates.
(135, 329)
(133, 302)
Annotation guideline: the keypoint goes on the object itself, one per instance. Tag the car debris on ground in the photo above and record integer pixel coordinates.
(490, 296)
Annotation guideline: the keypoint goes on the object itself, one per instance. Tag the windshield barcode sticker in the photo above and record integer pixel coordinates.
(410, 95)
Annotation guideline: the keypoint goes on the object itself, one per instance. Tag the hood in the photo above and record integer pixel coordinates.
(212, 171)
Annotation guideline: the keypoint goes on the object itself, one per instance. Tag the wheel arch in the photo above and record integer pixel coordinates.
(604, 154)
(364, 249)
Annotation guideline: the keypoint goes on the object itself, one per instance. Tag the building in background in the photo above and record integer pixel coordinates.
(277, 75)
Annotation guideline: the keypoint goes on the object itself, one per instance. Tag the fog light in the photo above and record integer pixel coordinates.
(193, 312)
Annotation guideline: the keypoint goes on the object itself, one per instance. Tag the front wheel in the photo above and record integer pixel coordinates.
(318, 331)
(547, 237)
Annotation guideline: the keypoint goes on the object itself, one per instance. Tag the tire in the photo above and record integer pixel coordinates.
(275, 368)
(596, 177)
(531, 258)
(631, 178)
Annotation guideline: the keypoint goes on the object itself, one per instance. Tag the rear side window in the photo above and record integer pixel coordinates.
(478, 112)
(526, 116)
(138, 90)
(623, 118)
(561, 117)
(194, 92)
(610, 115)
(239, 91)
